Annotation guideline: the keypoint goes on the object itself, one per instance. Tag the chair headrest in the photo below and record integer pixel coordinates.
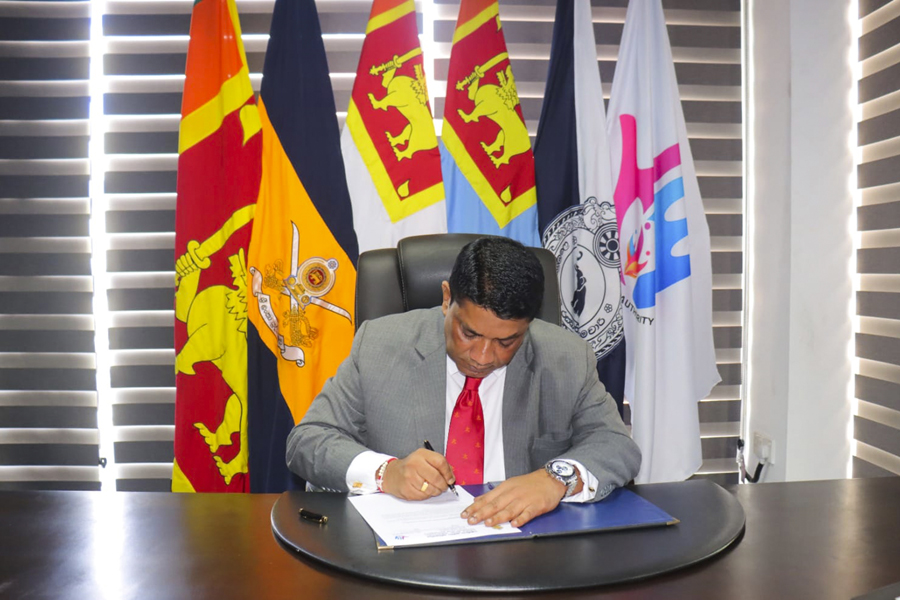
(409, 277)
(425, 261)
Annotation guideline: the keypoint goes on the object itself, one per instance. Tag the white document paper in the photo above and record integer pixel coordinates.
(406, 523)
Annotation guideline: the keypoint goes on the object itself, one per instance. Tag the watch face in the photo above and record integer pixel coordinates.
(562, 468)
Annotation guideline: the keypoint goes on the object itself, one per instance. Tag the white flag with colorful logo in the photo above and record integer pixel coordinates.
(665, 252)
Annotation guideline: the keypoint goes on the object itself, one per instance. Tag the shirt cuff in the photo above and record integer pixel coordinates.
(361, 472)
(588, 490)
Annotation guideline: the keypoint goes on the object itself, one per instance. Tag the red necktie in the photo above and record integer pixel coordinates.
(465, 440)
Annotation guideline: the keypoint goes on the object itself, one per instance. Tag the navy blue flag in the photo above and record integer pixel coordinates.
(303, 251)
(576, 213)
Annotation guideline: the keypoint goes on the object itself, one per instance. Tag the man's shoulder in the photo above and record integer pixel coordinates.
(406, 326)
(550, 338)
(546, 331)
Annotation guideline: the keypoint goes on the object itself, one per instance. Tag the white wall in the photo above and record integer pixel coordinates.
(799, 219)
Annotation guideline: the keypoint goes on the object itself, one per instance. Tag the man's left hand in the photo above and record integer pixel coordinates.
(517, 500)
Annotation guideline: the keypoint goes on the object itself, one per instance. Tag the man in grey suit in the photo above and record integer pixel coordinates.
(518, 398)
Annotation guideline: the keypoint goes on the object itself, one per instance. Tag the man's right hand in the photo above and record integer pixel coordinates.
(405, 477)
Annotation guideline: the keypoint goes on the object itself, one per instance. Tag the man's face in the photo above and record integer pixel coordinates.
(478, 341)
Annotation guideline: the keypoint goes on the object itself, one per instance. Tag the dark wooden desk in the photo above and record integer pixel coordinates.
(821, 540)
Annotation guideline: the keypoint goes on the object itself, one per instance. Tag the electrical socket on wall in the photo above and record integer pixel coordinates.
(763, 447)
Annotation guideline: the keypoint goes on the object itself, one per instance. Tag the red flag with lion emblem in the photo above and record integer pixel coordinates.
(487, 163)
(389, 144)
(219, 166)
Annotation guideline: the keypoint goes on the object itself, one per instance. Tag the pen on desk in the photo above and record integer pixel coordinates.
(314, 517)
(452, 487)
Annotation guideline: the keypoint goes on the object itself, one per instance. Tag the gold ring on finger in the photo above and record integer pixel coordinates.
(424, 486)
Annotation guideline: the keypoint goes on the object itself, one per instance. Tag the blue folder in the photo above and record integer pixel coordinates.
(621, 509)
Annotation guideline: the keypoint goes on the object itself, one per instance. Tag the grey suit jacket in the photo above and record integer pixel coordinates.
(390, 394)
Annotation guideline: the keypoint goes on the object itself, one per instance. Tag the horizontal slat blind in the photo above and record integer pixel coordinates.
(147, 45)
(48, 400)
(877, 421)
(143, 74)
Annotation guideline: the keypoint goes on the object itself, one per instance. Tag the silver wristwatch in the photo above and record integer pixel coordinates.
(565, 473)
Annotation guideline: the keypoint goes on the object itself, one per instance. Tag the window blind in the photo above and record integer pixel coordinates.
(876, 426)
(142, 76)
(48, 400)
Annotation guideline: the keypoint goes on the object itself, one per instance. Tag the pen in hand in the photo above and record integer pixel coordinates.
(452, 487)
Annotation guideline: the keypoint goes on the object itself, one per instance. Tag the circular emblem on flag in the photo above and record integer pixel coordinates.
(583, 239)
(317, 276)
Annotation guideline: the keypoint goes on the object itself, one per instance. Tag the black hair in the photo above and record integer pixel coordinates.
(501, 275)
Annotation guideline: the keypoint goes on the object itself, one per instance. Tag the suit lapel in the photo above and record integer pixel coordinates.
(519, 409)
(430, 398)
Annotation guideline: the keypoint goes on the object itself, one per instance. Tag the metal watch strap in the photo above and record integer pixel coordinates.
(570, 485)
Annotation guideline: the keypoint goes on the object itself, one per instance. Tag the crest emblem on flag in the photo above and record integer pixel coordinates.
(305, 284)
(583, 239)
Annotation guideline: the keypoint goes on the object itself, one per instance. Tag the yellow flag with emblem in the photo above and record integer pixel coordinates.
(303, 251)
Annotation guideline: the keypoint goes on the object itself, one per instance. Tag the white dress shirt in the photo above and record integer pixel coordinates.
(361, 472)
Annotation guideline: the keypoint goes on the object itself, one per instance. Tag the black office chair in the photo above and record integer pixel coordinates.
(395, 280)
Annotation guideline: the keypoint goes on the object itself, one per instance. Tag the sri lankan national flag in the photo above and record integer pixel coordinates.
(486, 157)
(389, 144)
(218, 180)
(303, 251)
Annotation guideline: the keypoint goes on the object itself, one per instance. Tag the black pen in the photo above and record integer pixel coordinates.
(452, 487)
(314, 517)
